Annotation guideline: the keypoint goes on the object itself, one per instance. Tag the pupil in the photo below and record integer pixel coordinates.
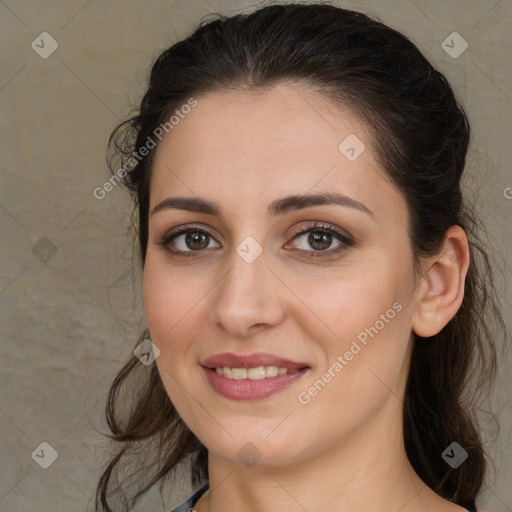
(196, 238)
(323, 239)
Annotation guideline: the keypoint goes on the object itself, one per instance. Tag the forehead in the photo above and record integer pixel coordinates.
(254, 145)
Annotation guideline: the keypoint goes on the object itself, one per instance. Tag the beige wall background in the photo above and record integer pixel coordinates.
(70, 308)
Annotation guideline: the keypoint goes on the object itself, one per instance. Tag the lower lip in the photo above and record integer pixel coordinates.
(247, 389)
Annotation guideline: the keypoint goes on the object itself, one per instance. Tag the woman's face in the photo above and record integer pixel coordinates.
(337, 298)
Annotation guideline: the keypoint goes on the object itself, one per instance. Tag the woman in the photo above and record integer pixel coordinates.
(312, 283)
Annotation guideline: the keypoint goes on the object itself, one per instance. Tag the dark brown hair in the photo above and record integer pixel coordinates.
(421, 137)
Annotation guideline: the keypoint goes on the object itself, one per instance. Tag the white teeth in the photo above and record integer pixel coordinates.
(273, 371)
(256, 373)
(238, 373)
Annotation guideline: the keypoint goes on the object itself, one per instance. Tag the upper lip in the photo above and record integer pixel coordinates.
(230, 360)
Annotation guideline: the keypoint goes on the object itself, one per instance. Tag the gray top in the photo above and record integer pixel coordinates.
(189, 504)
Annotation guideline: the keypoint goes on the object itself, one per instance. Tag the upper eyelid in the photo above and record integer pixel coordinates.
(323, 226)
(319, 225)
(184, 229)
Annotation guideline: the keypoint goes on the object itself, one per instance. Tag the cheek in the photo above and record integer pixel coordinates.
(345, 305)
(362, 317)
(169, 302)
(171, 306)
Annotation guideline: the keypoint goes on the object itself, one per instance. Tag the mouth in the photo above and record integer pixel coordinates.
(252, 377)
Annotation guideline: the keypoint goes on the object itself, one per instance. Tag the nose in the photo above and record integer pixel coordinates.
(248, 298)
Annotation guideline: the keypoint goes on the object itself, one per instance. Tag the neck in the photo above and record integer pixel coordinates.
(369, 472)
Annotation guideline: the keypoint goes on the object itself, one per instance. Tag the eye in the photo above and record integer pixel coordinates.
(188, 240)
(191, 240)
(320, 237)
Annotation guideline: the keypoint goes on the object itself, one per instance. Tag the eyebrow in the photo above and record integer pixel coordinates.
(277, 207)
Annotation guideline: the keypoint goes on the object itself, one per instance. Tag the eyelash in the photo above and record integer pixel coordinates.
(319, 227)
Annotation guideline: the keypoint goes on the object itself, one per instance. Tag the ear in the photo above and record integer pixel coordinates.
(441, 291)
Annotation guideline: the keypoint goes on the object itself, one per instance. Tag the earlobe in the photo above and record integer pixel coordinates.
(441, 291)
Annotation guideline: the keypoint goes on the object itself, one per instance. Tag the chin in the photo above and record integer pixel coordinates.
(251, 448)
